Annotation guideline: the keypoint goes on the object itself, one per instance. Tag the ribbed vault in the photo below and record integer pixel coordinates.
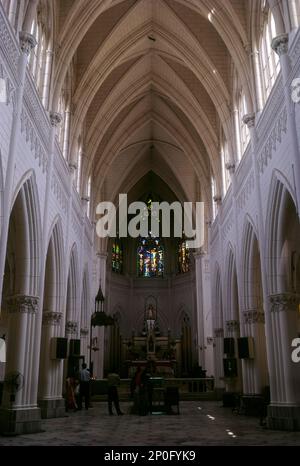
(153, 88)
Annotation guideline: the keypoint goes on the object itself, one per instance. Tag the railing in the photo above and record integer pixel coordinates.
(189, 388)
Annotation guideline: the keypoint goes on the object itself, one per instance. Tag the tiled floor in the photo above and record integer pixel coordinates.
(199, 423)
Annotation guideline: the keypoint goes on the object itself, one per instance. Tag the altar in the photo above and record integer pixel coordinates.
(161, 351)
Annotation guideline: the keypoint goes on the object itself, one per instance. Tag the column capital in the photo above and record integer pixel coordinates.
(27, 42)
(84, 332)
(22, 304)
(254, 316)
(71, 327)
(55, 118)
(219, 332)
(52, 317)
(232, 325)
(72, 166)
(249, 120)
(230, 166)
(284, 301)
(102, 255)
(280, 44)
(217, 199)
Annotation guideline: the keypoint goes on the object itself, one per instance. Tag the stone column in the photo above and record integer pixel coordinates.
(200, 320)
(234, 384)
(280, 45)
(249, 120)
(27, 43)
(255, 370)
(42, 339)
(50, 377)
(219, 355)
(19, 412)
(284, 412)
(84, 343)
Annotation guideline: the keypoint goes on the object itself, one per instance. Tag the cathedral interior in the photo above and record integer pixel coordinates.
(158, 102)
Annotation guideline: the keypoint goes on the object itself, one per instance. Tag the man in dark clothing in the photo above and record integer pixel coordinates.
(113, 380)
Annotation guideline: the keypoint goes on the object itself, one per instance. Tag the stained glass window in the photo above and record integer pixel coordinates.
(117, 257)
(150, 256)
(183, 257)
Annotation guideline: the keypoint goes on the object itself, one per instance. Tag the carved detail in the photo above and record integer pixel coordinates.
(284, 301)
(23, 304)
(52, 317)
(71, 327)
(280, 44)
(232, 325)
(275, 136)
(249, 120)
(27, 42)
(55, 118)
(252, 316)
(84, 332)
(219, 332)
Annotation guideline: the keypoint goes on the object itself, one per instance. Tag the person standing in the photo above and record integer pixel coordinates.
(84, 389)
(113, 380)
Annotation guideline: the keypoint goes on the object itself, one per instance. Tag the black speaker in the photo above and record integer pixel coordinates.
(230, 367)
(229, 346)
(246, 348)
(74, 348)
(58, 348)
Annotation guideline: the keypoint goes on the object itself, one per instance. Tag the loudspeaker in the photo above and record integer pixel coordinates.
(246, 348)
(58, 348)
(230, 367)
(74, 348)
(229, 346)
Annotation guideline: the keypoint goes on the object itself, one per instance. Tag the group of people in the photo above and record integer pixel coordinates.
(140, 390)
(77, 388)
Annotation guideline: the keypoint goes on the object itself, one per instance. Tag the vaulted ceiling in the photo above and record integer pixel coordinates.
(153, 87)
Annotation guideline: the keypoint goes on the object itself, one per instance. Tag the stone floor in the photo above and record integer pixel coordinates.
(198, 424)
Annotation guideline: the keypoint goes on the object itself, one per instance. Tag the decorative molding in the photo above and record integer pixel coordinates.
(71, 327)
(249, 120)
(246, 191)
(84, 332)
(22, 303)
(59, 193)
(76, 226)
(271, 144)
(232, 325)
(27, 42)
(217, 199)
(284, 302)
(280, 44)
(9, 47)
(10, 88)
(55, 119)
(219, 332)
(32, 138)
(209, 340)
(230, 166)
(52, 317)
(252, 316)
(227, 226)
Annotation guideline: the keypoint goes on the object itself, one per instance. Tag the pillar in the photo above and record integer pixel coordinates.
(284, 411)
(27, 43)
(19, 412)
